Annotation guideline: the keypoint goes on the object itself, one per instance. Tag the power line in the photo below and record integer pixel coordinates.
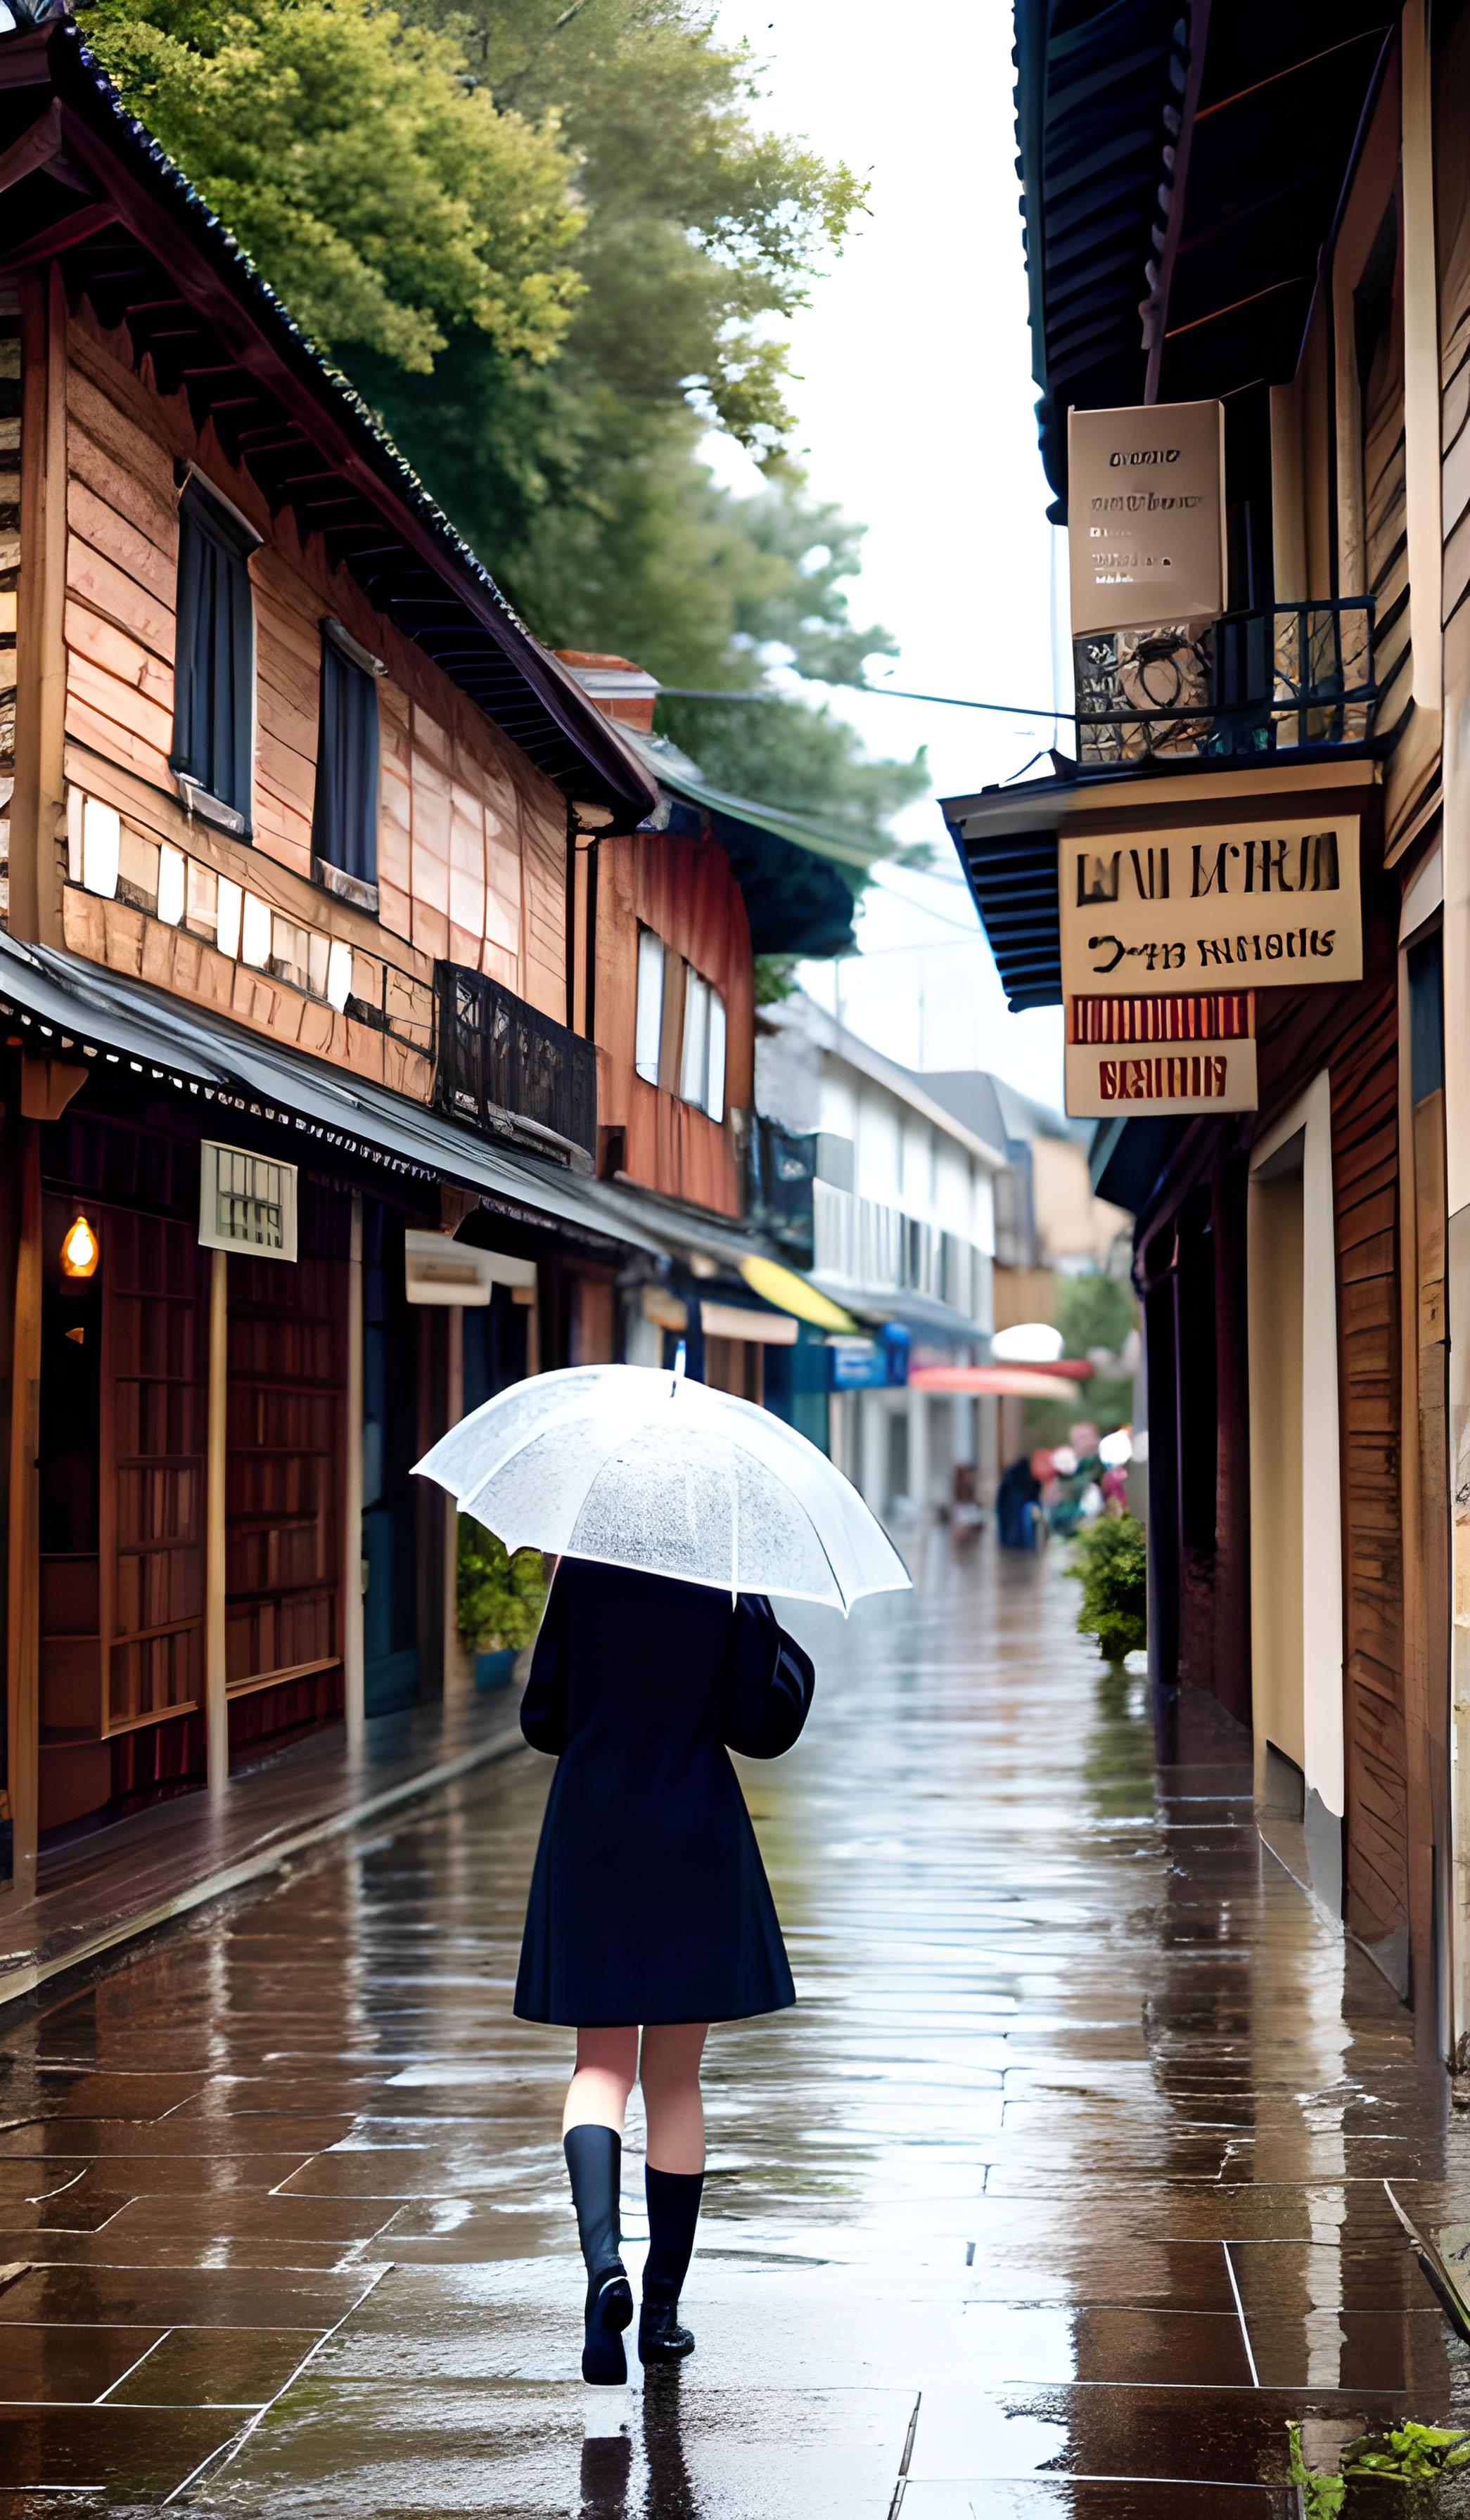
(874, 691)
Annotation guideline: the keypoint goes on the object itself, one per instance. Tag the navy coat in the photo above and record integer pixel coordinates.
(649, 1901)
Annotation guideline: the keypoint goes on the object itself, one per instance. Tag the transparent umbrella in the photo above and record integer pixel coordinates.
(634, 1467)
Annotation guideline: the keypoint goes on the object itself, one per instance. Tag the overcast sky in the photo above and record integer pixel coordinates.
(915, 400)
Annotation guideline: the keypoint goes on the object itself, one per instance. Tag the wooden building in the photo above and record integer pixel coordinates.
(292, 812)
(1291, 1251)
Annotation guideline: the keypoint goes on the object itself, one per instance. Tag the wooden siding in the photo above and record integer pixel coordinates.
(1452, 206)
(684, 891)
(472, 839)
(1366, 1196)
(9, 563)
(1354, 1034)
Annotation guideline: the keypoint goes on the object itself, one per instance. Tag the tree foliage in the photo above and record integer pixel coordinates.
(701, 226)
(388, 204)
(551, 244)
(1094, 1310)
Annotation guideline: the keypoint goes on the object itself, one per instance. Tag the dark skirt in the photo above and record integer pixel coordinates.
(649, 1901)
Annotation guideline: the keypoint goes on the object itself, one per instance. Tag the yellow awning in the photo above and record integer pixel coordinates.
(791, 1293)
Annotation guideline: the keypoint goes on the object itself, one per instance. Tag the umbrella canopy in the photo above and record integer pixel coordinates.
(634, 1466)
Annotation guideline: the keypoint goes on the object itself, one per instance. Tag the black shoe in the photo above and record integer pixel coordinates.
(660, 2338)
(610, 2308)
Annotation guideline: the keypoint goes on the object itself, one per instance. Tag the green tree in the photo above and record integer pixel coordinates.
(702, 227)
(1094, 1311)
(588, 488)
(388, 202)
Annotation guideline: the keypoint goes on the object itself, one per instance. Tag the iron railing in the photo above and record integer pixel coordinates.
(501, 1060)
(1251, 682)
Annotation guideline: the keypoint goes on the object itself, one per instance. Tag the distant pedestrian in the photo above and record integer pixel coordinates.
(1018, 1500)
(649, 1903)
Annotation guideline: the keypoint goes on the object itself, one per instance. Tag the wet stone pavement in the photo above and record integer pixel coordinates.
(1060, 2192)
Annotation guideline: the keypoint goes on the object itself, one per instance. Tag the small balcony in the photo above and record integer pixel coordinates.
(779, 1170)
(1295, 679)
(508, 1070)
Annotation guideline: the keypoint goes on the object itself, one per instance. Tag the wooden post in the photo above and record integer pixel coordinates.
(353, 1699)
(23, 1603)
(457, 1671)
(216, 1687)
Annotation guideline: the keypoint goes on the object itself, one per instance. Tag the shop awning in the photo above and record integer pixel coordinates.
(1009, 1381)
(923, 1316)
(68, 1008)
(792, 1293)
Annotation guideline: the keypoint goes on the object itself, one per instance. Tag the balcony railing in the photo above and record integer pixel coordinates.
(779, 1167)
(501, 1061)
(1251, 682)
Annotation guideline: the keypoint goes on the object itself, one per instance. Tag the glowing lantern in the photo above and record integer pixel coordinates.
(80, 1251)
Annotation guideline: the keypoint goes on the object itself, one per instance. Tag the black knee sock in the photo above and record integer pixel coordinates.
(673, 2202)
(594, 2166)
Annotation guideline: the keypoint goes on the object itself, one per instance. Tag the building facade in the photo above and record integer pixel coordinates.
(903, 1223)
(1295, 1245)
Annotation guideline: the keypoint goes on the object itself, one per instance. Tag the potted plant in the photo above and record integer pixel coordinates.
(1109, 1561)
(499, 1599)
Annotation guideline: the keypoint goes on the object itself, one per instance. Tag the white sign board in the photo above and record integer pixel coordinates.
(1115, 1082)
(1261, 905)
(438, 1270)
(1146, 512)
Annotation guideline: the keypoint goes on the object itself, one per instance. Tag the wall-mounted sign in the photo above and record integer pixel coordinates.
(247, 1202)
(438, 1270)
(1168, 937)
(1146, 507)
(1229, 906)
(1129, 1084)
(1127, 1057)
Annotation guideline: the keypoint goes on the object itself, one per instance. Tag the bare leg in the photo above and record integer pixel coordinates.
(669, 2074)
(607, 2068)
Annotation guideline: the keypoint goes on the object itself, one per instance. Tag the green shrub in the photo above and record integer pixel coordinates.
(498, 1599)
(1414, 2455)
(1109, 1561)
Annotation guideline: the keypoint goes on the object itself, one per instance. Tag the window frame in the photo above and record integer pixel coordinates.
(343, 659)
(694, 1045)
(209, 518)
(647, 1006)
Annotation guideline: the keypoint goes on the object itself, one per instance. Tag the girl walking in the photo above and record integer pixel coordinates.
(650, 1912)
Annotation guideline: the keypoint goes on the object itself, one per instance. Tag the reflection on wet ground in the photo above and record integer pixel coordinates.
(1060, 2192)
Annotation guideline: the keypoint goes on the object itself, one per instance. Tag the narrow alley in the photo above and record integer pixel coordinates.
(1060, 2192)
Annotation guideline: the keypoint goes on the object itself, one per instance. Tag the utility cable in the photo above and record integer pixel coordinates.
(873, 692)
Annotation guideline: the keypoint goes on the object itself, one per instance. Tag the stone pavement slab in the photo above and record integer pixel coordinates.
(1060, 2192)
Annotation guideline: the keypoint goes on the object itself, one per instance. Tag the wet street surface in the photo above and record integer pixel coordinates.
(1060, 2191)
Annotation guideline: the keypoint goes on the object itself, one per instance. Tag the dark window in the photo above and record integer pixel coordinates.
(1425, 1017)
(344, 823)
(214, 659)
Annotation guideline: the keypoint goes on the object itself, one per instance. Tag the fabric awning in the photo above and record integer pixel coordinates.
(69, 1008)
(1009, 1381)
(792, 1293)
(743, 1321)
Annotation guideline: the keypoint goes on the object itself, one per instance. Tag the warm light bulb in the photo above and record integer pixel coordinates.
(80, 1249)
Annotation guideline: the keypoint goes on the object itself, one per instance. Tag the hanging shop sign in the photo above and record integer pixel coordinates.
(1168, 938)
(1146, 509)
